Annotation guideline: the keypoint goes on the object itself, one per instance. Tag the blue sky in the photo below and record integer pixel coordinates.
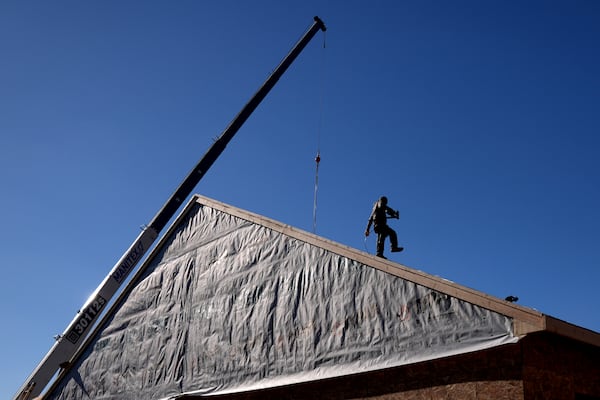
(478, 120)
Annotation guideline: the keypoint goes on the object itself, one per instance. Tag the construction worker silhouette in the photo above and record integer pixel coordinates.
(378, 219)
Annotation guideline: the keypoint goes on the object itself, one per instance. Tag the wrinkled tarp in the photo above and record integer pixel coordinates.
(230, 305)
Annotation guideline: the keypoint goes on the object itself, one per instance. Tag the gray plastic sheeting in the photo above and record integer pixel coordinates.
(229, 305)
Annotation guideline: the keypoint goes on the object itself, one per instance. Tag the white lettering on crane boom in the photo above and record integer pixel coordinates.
(129, 262)
(86, 319)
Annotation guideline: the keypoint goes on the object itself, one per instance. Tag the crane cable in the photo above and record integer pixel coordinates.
(319, 128)
(317, 160)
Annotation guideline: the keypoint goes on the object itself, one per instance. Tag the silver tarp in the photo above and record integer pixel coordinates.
(230, 305)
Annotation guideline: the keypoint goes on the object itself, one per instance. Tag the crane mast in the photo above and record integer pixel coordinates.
(67, 345)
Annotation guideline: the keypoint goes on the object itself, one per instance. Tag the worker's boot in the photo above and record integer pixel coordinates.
(397, 249)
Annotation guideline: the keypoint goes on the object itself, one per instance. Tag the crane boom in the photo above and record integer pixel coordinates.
(68, 343)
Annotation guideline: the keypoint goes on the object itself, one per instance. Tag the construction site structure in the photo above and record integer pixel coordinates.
(67, 344)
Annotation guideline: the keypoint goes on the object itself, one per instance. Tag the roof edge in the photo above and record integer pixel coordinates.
(572, 331)
(527, 315)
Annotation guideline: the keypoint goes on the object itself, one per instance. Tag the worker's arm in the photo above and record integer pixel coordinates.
(367, 231)
(392, 213)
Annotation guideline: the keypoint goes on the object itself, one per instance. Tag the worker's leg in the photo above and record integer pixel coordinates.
(393, 237)
(380, 243)
(394, 240)
(381, 235)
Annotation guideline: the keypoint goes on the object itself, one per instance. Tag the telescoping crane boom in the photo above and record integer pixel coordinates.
(68, 344)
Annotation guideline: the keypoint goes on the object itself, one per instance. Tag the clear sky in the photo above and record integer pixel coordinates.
(478, 119)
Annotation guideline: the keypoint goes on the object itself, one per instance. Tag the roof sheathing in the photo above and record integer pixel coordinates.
(525, 320)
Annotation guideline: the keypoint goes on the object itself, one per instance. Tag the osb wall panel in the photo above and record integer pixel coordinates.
(486, 390)
(559, 368)
(492, 374)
